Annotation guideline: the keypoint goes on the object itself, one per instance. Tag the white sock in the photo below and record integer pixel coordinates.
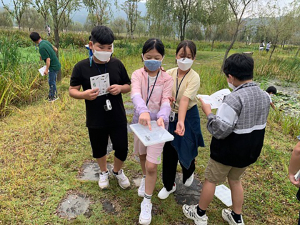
(147, 198)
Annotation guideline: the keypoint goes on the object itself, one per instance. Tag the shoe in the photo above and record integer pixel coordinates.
(122, 179)
(103, 180)
(163, 194)
(189, 181)
(141, 190)
(52, 99)
(145, 215)
(227, 216)
(190, 211)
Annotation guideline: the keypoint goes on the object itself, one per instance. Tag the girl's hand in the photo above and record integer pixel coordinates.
(180, 129)
(91, 94)
(160, 122)
(294, 181)
(145, 120)
(172, 100)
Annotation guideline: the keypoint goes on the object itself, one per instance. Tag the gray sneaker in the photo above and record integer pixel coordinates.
(190, 211)
(227, 216)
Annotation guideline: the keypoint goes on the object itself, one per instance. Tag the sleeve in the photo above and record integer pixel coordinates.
(124, 75)
(222, 124)
(192, 87)
(136, 96)
(76, 78)
(44, 53)
(165, 107)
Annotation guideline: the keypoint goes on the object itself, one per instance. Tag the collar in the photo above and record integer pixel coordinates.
(249, 84)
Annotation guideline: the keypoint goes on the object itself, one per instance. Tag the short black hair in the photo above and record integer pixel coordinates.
(34, 36)
(240, 66)
(154, 43)
(103, 35)
(191, 45)
(271, 89)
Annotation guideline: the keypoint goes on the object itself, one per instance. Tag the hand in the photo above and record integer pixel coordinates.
(46, 72)
(206, 108)
(145, 120)
(294, 181)
(91, 94)
(172, 100)
(115, 89)
(180, 129)
(160, 122)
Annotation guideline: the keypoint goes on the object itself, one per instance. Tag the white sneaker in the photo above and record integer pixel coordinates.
(163, 194)
(103, 180)
(226, 214)
(145, 215)
(190, 211)
(141, 190)
(122, 179)
(189, 181)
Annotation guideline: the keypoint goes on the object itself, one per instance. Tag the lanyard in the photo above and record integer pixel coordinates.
(177, 88)
(99, 68)
(149, 96)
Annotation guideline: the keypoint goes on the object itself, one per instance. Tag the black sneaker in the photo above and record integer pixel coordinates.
(52, 99)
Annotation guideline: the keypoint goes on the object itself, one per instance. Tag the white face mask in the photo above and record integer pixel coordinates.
(230, 85)
(184, 63)
(103, 56)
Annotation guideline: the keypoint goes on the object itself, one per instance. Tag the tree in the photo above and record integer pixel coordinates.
(31, 19)
(43, 8)
(130, 7)
(214, 15)
(5, 19)
(99, 9)
(238, 8)
(118, 25)
(19, 7)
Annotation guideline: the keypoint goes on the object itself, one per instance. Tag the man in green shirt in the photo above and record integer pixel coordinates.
(47, 52)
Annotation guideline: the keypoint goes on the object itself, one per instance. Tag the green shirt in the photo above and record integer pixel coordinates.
(46, 51)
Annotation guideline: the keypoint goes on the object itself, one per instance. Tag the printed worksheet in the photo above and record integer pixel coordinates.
(42, 70)
(101, 82)
(224, 194)
(155, 136)
(216, 99)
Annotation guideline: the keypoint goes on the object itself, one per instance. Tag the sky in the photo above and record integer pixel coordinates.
(81, 14)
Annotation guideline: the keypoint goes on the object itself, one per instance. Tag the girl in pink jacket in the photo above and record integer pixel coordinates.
(151, 89)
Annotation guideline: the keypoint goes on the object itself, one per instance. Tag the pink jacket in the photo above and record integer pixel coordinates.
(159, 104)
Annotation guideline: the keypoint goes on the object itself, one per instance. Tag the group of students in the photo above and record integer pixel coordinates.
(262, 46)
(169, 98)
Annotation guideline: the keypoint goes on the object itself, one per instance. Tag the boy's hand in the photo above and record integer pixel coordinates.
(115, 89)
(160, 122)
(46, 72)
(91, 94)
(180, 129)
(206, 108)
(145, 120)
(294, 181)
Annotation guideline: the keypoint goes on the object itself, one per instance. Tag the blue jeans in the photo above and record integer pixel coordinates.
(52, 83)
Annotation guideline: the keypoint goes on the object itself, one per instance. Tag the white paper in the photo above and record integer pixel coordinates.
(216, 99)
(42, 70)
(155, 136)
(224, 194)
(101, 82)
(297, 175)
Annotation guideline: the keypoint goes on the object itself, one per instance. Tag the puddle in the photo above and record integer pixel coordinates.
(90, 171)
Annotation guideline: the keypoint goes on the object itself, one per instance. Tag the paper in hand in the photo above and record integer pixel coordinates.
(216, 99)
(101, 82)
(224, 194)
(42, 70)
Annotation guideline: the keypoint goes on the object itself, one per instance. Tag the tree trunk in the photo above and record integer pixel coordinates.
(56, 36)
(229, 48)
(297, 52)
(212, 45)
(274, 46)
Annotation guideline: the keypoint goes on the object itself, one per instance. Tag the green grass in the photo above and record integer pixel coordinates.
(43, 146)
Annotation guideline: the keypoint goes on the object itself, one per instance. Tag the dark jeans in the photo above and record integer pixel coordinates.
(52, 83)
(170, 161)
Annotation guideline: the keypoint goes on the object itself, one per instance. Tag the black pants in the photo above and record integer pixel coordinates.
(170, 161)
